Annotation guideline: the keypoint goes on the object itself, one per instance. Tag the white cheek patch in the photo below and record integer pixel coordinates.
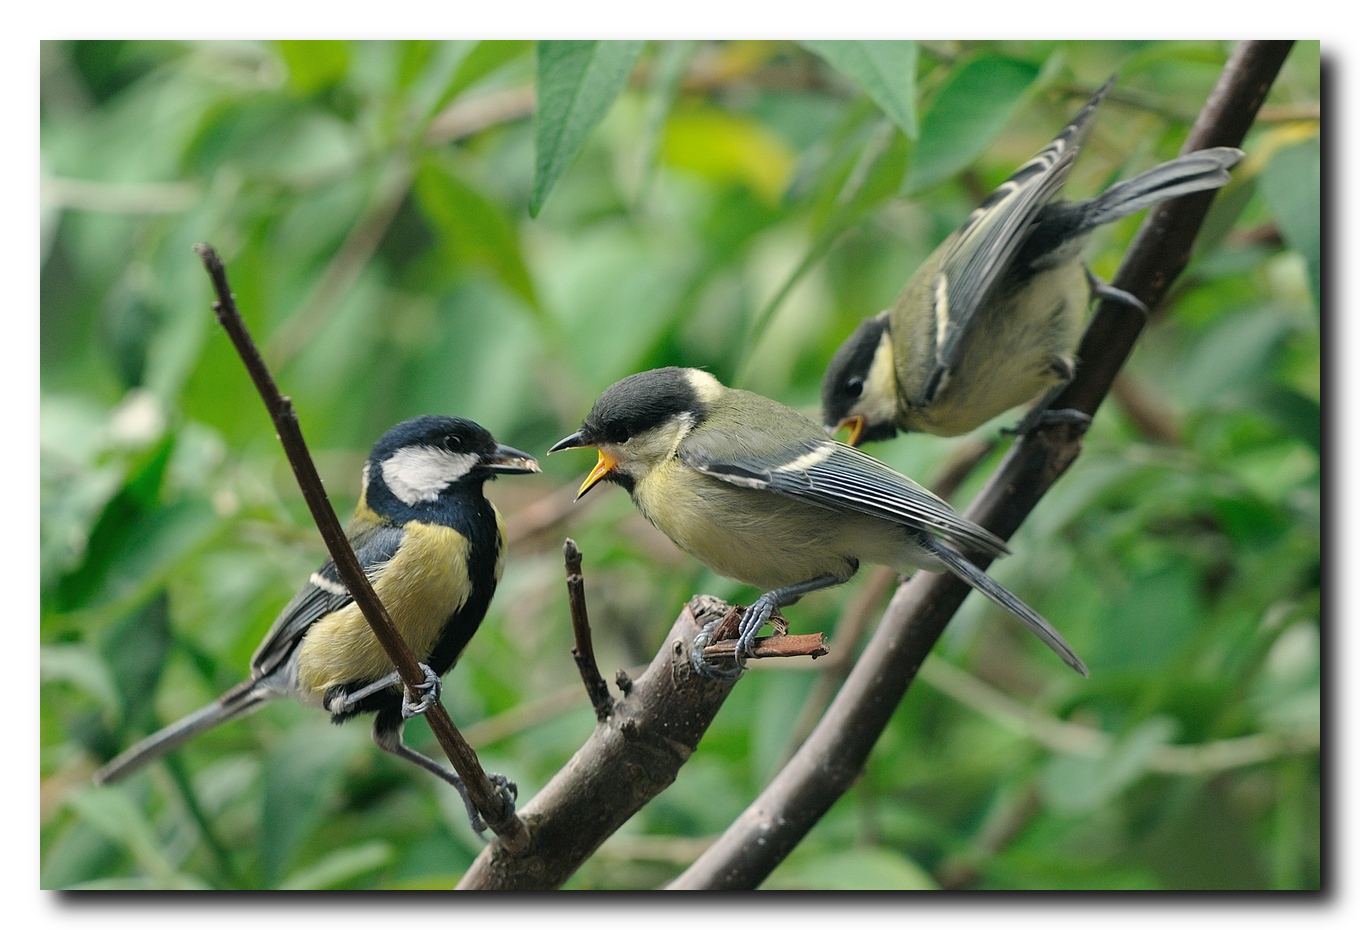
(419, 473)
(878, 402)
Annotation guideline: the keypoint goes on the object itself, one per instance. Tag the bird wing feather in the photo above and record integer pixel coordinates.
(985, 245)
(375, 545)
(839, 477)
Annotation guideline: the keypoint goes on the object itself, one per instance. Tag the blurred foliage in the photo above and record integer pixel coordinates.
(738, 206)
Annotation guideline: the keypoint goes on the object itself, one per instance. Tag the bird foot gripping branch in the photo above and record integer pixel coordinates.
(719, 639)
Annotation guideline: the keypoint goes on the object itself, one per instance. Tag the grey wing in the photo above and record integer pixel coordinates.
(323, 593)
(985, 245)
(838, 477)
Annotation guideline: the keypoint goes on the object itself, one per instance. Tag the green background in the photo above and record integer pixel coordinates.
(405, 236)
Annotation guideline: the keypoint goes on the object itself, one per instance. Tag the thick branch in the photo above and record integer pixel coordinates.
(632, 756)
(831, 759)
(499, 816)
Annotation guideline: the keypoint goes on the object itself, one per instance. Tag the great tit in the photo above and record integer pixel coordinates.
(758, 492)
(993, 317)
(433, 547)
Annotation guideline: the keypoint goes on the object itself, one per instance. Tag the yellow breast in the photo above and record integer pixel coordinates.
(421, 587)
(753, 536)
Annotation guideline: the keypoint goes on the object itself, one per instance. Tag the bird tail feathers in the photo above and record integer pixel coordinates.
(236, 702)
(983, 582)
(1203, 170)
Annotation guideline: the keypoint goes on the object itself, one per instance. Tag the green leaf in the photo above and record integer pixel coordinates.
(315, 65)
(1151, 619)
(473, 227)
(966, 115)
(486, 58)
(1231, 355)
(110, 811)
(886, 71)
(1292, 185)
(855, 869)
(135, 649)
(729, 148)
(671, 61)
(577, 83)
(339, 867)
(301, 777)
(1074, 785)
(80, 666)
(873, 180)
(131, 549)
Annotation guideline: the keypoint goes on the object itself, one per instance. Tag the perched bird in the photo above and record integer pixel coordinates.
(433, 547)
(993, 317)
(758, 492)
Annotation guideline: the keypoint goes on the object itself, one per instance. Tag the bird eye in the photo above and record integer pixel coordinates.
(452, 443)
(854, 387)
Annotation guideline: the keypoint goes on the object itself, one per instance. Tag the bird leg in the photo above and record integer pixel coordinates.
(387, 735)
(751, 622)
(350, 699)
(411, 705)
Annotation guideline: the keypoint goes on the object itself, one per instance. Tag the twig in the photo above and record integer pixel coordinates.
(798, 645)
(499, 815)
(629, 759)
(583, 652)
(832, 757)
(470, 115)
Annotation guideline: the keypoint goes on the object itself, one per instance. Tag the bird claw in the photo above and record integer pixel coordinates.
(508, 791)
(751, 623)
(1040, 418)
(413, 705)
(705, 667)
(755, 617)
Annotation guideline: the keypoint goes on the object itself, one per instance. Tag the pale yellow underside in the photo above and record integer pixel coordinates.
(424, 584)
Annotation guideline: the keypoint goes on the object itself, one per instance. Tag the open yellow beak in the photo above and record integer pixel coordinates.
(603, 467)
(856, 426)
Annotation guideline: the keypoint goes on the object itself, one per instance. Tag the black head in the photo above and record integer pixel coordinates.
(655, 407)
(642, 402)
(848, 377)
(421, 459)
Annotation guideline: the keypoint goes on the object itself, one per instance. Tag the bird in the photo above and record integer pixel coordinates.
(433, 548)
(758, 492)
(993, 316)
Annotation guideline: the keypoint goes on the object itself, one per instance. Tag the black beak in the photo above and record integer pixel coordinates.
(507, 461)
(576, 440)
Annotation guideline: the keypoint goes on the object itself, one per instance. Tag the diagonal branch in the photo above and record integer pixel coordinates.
(499, 815)
(835, 753)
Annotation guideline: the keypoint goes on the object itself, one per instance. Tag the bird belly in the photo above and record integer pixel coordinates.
(1022, 345)
(422, 587)
(757, 537)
